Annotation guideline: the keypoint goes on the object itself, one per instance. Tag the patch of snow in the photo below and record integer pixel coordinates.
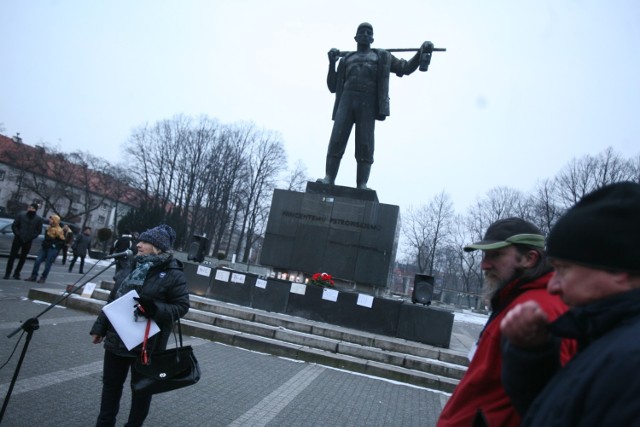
(466, 317)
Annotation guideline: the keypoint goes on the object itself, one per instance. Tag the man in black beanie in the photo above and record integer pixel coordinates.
(594, 249)
(26, 227)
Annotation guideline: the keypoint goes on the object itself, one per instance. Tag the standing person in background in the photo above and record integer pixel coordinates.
(162, 286)
(124, 265)
(81, 248)
(53, 241)
(26, 227)
(68, 240)
(516, 270)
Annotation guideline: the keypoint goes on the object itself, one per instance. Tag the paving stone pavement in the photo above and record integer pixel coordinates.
(60, 381)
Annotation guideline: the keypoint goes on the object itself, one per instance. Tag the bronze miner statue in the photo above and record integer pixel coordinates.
(361, 85)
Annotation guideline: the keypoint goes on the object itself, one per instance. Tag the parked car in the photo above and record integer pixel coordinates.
(6, 238)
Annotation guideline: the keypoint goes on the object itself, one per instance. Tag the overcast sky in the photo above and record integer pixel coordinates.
(524, 86)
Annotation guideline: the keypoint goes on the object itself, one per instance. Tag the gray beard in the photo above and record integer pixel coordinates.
(491, 286)
(489, 289)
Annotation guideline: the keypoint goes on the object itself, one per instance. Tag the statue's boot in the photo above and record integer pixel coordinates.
(364, 169)
(331, 170)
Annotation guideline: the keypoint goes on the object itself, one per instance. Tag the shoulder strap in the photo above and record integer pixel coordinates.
(144, 355)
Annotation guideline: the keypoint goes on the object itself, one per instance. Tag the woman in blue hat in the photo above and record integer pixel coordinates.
(163, 297)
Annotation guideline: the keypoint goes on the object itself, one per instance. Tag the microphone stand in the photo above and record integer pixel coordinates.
(31, 325)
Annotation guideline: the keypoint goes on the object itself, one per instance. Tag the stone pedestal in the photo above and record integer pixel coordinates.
(339, 230)
(382, 316)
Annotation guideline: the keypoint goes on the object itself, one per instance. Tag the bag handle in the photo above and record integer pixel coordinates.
(179, 332)
(144, 355)
(173, 330)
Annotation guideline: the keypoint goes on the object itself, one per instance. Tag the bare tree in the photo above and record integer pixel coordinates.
(635, 168)
(426, 228)
(610, 167)
(93, 179)
(154, 150)
(266, 160)
(462, 277)
(586, 174)
(193, 174)
(121, 184)
(297, 178)
(224, 199)
(498, 203)
(545, 206)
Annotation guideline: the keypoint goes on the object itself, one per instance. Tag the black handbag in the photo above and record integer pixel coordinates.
(165, 370)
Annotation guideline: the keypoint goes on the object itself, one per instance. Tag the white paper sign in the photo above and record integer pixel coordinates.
(298, 288)
(330, 294)
(87, 290)
(222, 275)
(365, 300)
(238, 278)
(120, 314)
(261, 283)
(203, 271)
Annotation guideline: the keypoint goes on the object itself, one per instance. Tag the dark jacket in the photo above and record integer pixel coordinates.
(167, 285)
(52, 243)
(599, 385)
(387, 63)
(81, 245)
(124, 264)
(26, 227)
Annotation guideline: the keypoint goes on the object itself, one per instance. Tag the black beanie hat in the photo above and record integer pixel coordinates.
(602, 230)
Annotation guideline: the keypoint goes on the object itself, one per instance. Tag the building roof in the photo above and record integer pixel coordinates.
(17, 154)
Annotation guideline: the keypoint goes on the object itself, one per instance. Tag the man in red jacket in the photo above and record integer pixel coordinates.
(515, 269)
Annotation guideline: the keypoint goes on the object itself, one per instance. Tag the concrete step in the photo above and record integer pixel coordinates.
(287, 336)
(253, 321)
(225, 310)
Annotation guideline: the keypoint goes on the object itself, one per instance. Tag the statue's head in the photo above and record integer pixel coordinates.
(364, 35)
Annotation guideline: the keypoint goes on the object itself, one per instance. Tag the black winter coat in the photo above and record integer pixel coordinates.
(81, 245)
(27, 227)
(599, 386)
(167, 285)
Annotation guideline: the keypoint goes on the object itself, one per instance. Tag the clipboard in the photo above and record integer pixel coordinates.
(120, 314)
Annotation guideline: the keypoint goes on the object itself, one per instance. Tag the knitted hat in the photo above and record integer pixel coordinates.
(508, 231)
(162, 237)
(602, 230)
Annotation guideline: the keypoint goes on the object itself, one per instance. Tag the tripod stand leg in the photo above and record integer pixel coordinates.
(29, 326)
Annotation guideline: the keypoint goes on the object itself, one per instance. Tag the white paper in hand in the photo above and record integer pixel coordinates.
(120, 314)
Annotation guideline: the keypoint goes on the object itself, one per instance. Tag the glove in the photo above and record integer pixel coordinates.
(145, 307)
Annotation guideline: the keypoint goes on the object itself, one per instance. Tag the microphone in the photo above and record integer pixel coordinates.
(126, 253)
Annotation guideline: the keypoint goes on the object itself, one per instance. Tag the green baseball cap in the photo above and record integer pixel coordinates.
(508, 231)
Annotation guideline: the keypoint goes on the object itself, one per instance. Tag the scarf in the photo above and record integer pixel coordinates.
(135, 279)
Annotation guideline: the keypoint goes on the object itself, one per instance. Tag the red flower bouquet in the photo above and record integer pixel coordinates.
(322, 279)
